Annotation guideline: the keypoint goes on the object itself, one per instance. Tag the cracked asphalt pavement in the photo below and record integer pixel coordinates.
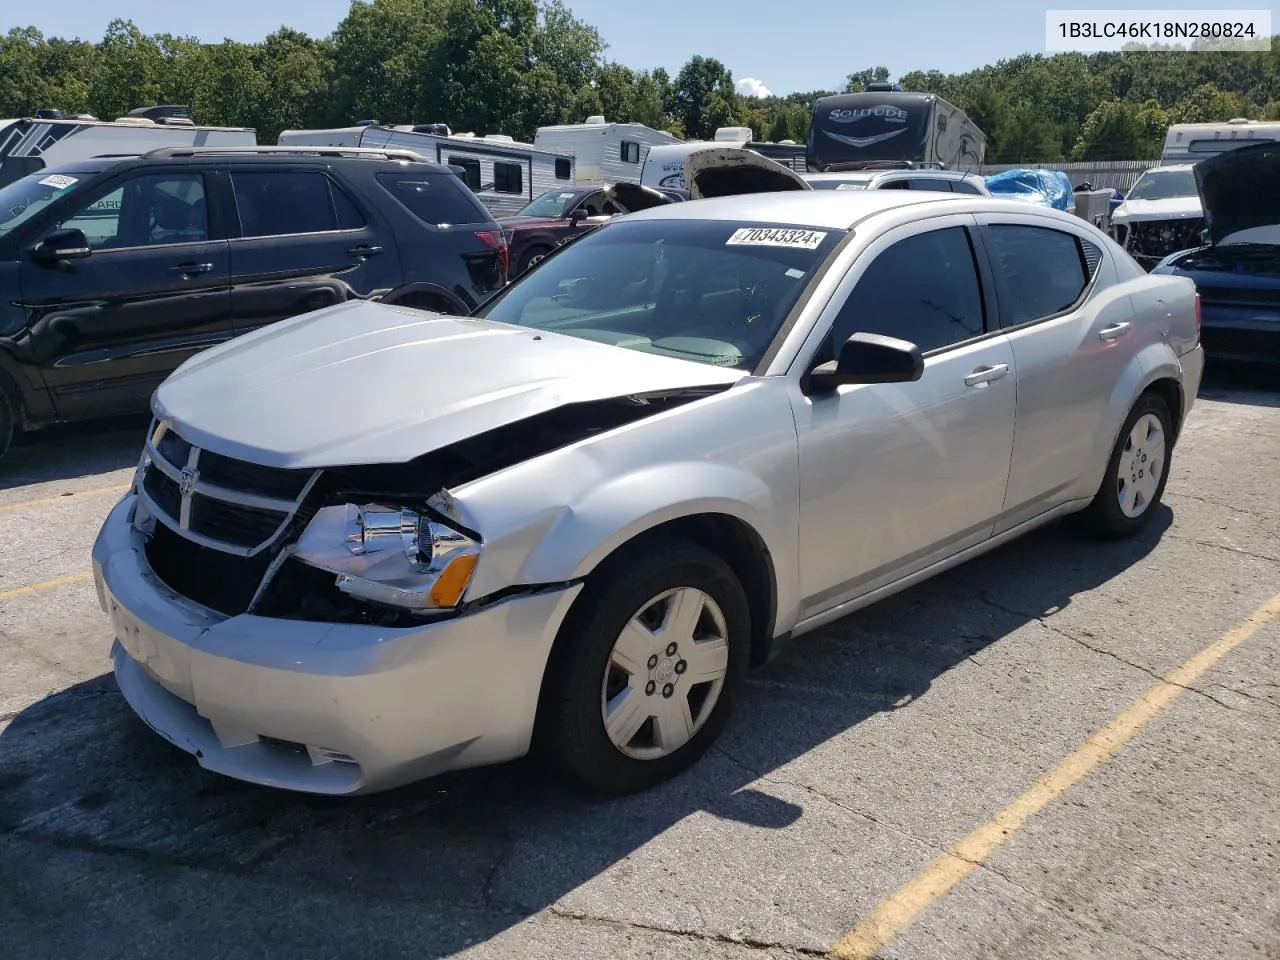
(858, 756)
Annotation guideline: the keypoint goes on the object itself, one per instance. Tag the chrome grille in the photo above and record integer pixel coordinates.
(216, 501)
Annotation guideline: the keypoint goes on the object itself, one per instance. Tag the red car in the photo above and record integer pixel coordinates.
(558, 215)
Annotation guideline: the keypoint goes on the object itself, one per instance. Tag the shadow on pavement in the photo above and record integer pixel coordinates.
(1246, 383)
(67, 451)
(110, 836)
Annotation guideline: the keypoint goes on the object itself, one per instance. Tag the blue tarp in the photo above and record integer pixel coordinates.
(1050, 188)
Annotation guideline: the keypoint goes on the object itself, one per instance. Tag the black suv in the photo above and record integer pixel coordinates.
(114, 270)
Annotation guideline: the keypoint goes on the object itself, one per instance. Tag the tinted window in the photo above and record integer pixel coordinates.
(508, 178)
(711, 292)
(349, 215)
(936, 184)
(274, 203)
(435, 198)
(472, 168)
(964, 186)
(923, 289)
(563, 170)
(630, 151)
(145, 211)
(894, 185)
(1040, 269)
(23, 199)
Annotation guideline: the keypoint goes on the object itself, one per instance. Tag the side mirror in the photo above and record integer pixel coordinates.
(578, 215)
(868, 358)
(66, 244)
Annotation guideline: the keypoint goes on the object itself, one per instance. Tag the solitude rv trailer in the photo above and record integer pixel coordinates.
(1189, 142)
(504, 174)
(884, 124)
(30, 144)
(603, 152)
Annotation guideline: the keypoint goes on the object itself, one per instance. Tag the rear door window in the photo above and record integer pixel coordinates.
(275, 203)
(1041, 271)
(438, 199)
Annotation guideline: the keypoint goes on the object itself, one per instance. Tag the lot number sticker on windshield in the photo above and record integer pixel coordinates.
(776, 237)
(58, 180)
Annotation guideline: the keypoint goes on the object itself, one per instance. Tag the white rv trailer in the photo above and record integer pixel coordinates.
(28, 145)
(603, 152)
(1190, 142)
(504, 174)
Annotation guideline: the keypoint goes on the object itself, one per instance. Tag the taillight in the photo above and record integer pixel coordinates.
(1197, 314)
(497, 240)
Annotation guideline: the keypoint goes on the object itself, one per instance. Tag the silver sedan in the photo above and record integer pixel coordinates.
(368, 545)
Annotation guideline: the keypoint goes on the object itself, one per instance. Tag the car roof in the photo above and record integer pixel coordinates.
(839, 210)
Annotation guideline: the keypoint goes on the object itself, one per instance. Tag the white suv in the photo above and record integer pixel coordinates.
(941, 181)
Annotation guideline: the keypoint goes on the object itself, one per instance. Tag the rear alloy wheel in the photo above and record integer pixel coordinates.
(532, 258)
(644, 673)
(1136, 473)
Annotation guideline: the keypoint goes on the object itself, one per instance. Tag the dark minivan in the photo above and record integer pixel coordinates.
(115, 270)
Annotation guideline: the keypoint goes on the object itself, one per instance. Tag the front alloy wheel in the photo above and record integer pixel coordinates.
(644, 671)
(665, 673)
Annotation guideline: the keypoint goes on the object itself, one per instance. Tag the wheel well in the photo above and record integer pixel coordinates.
(739, 546)
(1170, 391)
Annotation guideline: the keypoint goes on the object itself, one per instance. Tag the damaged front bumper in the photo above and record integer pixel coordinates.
(323, 707)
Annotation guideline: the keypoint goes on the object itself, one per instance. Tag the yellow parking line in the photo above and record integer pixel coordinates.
(46, 585)
(70, 495)
(893, 915)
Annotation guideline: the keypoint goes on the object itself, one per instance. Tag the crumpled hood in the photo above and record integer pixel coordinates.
(1240, 189)
(1174, 208)
(368, 383)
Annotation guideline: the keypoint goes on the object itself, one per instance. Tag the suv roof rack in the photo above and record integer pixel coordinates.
(385, 154)
(849, 165)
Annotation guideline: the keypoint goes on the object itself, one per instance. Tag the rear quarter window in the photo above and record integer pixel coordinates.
(437, 199)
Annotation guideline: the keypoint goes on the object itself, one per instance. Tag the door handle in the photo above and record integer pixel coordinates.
(986, 374)
(1113, 330)
(187, 269)
(364, 250)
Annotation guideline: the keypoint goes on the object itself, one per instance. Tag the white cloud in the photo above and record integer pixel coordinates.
(751, 87)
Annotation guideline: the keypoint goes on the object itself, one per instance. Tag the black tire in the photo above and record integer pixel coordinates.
(571, 729)
(7, 425)
(527, 258)
(1104, 518)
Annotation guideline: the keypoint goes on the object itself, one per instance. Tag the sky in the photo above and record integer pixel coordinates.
(769, 45)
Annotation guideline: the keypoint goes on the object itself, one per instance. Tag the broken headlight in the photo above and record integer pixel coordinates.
(391, 554)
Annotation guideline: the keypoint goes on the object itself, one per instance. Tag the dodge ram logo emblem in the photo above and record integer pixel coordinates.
(188, 483)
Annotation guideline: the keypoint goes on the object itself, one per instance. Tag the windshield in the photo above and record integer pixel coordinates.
(23, 199)
(1164, 185)
(554, 203)
(708, 291)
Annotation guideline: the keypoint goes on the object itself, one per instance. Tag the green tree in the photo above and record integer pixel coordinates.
(858, 81)
(704, 97)
(131, 73)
